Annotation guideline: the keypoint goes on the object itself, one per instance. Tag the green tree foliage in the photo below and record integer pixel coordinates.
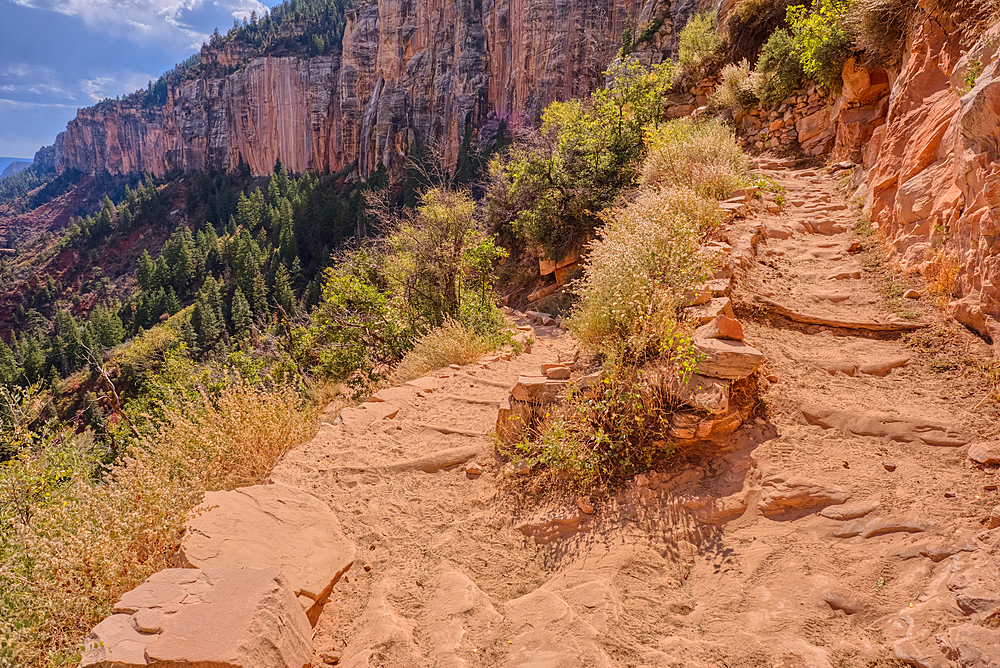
(699, 47)
(822, 40)
(551, 186)
(432, 268)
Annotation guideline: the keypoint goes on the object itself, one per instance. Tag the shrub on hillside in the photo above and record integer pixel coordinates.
(879, 29)
(736, 91)
(822, 40)
(779, 70)
(699, 47)
(87, 541)
(434, 266)
(551, 185)
(645, 259)
(700, 155)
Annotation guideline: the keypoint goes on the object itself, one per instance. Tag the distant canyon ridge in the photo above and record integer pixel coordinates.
(409, 73)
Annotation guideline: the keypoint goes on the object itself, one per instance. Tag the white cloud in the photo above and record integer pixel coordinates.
(181, 24)
(122, 83)
(18, 104)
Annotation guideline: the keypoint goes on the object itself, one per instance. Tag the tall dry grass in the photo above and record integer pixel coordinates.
(452, 343)
(78, 555)
(702, 156)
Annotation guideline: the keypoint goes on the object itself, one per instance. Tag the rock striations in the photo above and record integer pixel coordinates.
(407, 74)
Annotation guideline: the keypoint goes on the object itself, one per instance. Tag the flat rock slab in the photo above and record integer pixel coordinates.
(727, 359)
(785, 493)
(878, 526)
(850, 511)
(906, 429)
(212, 618)
(271, 525)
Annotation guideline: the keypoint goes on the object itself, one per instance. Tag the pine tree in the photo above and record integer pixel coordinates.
(147, 273)
(171, 304)
(282, 291)
(242, 316)
(9, 368)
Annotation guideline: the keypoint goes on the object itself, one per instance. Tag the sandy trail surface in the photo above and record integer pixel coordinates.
(843, 525)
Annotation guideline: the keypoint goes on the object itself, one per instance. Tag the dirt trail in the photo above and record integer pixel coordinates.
(843, 526)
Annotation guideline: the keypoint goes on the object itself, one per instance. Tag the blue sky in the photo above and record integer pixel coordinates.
(59, 55)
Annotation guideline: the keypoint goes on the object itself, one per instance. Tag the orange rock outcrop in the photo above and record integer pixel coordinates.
(933, 180)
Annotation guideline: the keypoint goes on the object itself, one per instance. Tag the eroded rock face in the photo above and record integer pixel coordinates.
(408, 73)
(213, 618)
(934, 177)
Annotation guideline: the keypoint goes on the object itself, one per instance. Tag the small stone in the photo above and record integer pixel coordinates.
(889, 466)
(641, 480)
(911, 294)
(990, 487)
(474, 468)
(993, 521)
(556, 371)
(585, 506)
(722, 327)
(455, 367)
(950, 495)
(368, 568)
(855, 246)
(330, 658)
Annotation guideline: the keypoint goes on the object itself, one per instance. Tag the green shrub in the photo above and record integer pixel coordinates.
(736, 90)
(549, 188)
(601, 435)
(433, 266)
(779, 70)
(822, 40)
(699, 155)
(699, 47)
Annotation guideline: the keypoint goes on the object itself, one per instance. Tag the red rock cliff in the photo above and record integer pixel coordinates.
(409, 72)
(934, 168)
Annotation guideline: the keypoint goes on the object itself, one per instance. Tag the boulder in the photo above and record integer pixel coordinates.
(732, 360)
(703, 393)
(537, 389)
(987, 454)
(271, 525)
(211, 618)
(706, 313)
(558, 371)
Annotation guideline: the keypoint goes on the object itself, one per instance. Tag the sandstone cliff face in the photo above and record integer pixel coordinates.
(934, 169)
(410, 72)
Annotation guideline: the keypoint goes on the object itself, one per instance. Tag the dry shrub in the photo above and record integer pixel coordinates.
(645, 258)
(940, 274)
(879, 29)
(107, 537)
(452, 343)
(699, 155)
(736, 91)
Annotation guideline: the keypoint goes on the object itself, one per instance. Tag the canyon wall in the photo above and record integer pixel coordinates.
(933, 168)
(409, 72)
